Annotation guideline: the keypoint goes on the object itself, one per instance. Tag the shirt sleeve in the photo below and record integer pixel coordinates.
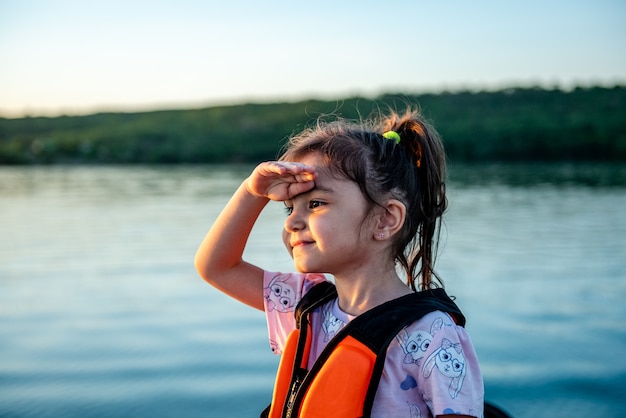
(281, 294)
(431, 367)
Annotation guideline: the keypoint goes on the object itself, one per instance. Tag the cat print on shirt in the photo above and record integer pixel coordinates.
(415, 344)
(450, 361)
(414, 411)
(330, 324)
(280, 295)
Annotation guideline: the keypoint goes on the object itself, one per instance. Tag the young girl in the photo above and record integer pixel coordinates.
(364, 204)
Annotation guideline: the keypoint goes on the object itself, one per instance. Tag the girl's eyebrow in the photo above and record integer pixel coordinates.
(322, 188)
(313, 190)
(317, 188)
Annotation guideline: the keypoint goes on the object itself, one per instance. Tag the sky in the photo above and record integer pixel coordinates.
(79, 57)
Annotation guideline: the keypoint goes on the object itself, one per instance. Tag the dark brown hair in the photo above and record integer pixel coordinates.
(412, 171)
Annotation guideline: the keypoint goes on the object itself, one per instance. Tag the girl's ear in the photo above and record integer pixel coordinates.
(390, 220)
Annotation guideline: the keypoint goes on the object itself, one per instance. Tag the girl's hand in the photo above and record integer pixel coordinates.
(280, 180)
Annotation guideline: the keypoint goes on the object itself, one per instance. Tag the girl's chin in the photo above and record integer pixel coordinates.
(310, 269)
(305, 268)
(301, 269)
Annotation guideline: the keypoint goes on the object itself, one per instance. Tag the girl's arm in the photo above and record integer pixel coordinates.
(219, 258)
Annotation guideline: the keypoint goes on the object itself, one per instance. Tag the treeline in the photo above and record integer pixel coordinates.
(518, 124)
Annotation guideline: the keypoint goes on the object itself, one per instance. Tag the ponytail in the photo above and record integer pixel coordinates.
(417, 246)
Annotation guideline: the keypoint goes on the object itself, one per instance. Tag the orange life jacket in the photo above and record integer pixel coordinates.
(343, 380)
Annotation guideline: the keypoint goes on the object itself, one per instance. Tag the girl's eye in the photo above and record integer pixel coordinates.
(313, 204)
(288, 210)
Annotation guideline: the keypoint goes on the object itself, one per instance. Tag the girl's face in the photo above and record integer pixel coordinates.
(326, 230)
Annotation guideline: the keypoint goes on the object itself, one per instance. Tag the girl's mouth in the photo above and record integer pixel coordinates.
(295, 244)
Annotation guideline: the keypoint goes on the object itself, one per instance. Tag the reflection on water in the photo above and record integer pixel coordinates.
(538, 174)
(102, 314)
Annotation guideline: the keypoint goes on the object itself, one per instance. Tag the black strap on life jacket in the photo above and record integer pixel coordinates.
(375, 328)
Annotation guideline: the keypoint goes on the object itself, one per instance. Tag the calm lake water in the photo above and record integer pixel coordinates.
(102, 313)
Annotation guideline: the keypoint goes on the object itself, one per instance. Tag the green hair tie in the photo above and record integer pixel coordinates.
(392, 136)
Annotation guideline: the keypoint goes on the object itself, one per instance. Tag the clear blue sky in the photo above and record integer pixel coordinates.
(83, 56)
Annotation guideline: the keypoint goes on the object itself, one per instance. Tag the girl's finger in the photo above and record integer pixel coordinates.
(301, 172)
(305, 177)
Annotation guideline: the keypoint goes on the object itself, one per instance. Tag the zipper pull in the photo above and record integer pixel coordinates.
(292, 397)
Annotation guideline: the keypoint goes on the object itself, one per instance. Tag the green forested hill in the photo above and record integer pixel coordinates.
(522, 124)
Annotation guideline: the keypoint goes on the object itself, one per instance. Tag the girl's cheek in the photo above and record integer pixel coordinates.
(286, 241)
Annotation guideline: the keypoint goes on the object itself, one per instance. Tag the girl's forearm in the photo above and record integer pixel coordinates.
(219, 259)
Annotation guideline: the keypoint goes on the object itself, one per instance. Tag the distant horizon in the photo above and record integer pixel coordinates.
(148, 108)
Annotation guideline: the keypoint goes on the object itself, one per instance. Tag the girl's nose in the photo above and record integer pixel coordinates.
(294, 222)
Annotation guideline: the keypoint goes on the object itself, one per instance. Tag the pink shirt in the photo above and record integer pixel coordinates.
(431, 366)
